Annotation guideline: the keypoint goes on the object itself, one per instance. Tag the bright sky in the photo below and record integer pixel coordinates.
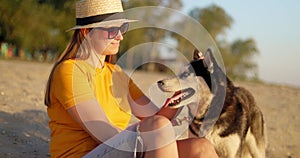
(274, 25)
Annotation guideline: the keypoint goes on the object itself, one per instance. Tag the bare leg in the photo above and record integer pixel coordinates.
(158, 137)
(159, 141)
(196, 148)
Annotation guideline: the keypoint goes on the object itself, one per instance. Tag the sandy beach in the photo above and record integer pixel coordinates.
(24, 128)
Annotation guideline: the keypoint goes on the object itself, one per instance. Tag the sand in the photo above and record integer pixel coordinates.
(24, 128)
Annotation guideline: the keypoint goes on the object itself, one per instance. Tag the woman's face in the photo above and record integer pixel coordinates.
(103, 43)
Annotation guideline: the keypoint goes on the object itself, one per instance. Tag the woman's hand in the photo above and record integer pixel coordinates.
(167, 110)
(143, 107)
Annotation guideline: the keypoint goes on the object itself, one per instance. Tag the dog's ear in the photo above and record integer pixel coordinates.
(198, 55)
(209, 60)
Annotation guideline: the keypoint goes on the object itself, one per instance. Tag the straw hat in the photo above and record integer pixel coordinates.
(99, 13)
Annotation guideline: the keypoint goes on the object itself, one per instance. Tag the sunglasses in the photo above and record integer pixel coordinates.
(114, 31)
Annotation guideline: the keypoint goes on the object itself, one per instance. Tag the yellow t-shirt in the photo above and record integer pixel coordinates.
(76, 81)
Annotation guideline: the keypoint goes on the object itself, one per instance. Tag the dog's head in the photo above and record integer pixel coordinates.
(193, 79)
(204, 74)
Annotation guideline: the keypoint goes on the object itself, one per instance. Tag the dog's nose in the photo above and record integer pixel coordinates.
(160, 82)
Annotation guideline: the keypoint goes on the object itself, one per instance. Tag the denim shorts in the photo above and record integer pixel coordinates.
(126, 144)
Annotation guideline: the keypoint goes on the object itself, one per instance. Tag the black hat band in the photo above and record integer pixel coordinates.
(99, 18)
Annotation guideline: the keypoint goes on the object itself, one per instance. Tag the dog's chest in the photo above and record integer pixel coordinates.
(225, 146)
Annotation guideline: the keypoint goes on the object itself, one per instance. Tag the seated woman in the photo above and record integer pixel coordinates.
(85, 110)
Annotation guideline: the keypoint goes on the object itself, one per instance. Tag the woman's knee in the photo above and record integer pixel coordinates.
(203, 148)
(196, 148)
(157, 132)
(154, 122)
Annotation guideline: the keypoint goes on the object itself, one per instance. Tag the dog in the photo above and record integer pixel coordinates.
(227, 115)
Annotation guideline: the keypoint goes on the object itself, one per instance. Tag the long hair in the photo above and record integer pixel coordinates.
(71, 52)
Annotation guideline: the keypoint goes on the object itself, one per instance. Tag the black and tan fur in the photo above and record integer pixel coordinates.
(231, 120)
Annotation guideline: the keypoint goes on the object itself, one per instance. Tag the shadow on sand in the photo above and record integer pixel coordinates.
(24, 134)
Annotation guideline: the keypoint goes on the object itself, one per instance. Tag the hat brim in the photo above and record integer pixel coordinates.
(102, 24)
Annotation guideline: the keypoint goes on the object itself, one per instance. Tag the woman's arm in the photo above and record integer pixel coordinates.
(93, 120)
(144, 107)
(141, 106)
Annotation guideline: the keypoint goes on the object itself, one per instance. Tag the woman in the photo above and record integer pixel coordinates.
(91, 100)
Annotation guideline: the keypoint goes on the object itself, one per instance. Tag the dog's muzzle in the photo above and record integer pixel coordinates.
(186, 94)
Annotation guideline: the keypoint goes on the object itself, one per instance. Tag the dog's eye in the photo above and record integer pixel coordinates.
(184, 75)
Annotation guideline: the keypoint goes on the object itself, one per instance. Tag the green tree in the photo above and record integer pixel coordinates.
(175, 4)
(213, 18)
(244, 51)
(143, 35)
(7, 9)
(33, 25)
(237, 56)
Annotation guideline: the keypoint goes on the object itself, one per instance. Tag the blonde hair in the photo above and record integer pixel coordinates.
(71, 52)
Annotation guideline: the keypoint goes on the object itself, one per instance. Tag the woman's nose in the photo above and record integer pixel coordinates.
(119, 36)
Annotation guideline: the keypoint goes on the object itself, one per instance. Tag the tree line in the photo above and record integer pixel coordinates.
(39, 27)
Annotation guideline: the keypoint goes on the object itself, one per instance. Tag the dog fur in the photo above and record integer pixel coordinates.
(227, 115)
